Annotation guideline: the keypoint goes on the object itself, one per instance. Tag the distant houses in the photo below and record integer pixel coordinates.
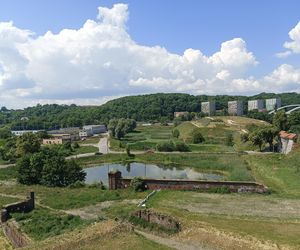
(90, 130)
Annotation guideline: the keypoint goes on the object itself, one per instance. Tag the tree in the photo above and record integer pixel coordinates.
(175, 133)
(269, 134)
(28, 143)
(181, 147)
(256, 138)
(280, 121)
(165, 146)
(128, 150)
(197, 137)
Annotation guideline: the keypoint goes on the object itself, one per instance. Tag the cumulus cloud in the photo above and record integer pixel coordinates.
(100, 61)
(293, 46)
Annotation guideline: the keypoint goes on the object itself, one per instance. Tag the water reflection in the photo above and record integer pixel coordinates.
(96, 174)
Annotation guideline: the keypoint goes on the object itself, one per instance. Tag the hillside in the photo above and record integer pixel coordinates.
(141, 108)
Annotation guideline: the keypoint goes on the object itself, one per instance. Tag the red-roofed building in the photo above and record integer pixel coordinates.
(287, 141)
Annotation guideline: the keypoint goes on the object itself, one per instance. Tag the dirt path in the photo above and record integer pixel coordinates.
(169, 242)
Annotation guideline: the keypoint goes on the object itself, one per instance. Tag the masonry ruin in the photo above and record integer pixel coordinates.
(116, 181)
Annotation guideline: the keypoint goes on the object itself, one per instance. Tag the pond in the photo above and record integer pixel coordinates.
(100, 173)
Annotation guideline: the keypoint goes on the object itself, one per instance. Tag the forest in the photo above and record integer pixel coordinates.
(147, 108)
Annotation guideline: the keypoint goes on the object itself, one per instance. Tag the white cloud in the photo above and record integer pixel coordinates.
(100, 60)
(293, 46)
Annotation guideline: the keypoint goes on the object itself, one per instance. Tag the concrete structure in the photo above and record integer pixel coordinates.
(94, 129)
(287, 142)
(58, 139)
(208, 107)
(256, 105)
(73, 133)
(22, 132)
(235, 108)
(117, 182)
(273, 103)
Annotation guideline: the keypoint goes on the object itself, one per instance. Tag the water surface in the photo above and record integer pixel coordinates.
(100, 173)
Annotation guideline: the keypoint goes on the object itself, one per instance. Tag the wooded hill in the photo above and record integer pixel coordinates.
(150, 107)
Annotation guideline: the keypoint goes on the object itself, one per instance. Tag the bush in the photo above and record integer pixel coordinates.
(175, 133)
(197, 137)
(182, 147)
(165, 147)
(137, 184)
(229, 140)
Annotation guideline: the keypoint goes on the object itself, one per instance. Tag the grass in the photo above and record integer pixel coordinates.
(102, 235)
(85, 149)
(8, 173)
(42, 223)
(69, 198)
(279, 172)
(231, 214)
(6, 200)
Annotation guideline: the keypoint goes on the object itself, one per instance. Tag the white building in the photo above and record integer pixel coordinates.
(90, 130)
(255, 105)
(22, 132)
(235, 108)
(273, 103)
(287, 142)
(208, 107)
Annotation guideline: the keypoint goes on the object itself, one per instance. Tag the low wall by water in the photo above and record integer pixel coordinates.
(116, 181)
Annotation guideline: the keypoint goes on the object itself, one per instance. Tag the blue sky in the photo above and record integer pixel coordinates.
(176, 26)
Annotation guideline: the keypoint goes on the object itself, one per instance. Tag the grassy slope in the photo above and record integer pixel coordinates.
(279, 172)
(101, 235)
(284, 231)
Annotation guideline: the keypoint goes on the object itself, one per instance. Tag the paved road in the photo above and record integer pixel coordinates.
(103, 145)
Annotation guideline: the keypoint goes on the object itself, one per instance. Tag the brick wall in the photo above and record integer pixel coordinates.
(116, 182)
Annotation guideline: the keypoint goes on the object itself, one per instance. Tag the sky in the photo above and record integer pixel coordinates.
(89, 51)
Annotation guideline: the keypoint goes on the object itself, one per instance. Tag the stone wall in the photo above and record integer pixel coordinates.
(22, 206)
(159, 219)
(15, 236)
(116, 182)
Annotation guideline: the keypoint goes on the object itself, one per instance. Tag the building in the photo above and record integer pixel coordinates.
(22, 132)
(180, 114)
(57, 139)
(235, 108)
(287, 142)
(73, 132)
(256, 105)
(95, 129)
(208, 107)
(273, 103)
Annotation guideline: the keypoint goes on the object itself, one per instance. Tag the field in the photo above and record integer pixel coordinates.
(214, 131)
(86, 217)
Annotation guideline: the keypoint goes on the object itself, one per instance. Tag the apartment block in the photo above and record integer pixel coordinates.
(235, 108)
(208, 107)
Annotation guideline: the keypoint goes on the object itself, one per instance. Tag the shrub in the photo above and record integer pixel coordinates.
(137, 184)
(229, 140)
(197, 137)
(181, 147)
(165, 146)
(175, 133)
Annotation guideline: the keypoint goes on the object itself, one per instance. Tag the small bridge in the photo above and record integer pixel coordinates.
(287, 109)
